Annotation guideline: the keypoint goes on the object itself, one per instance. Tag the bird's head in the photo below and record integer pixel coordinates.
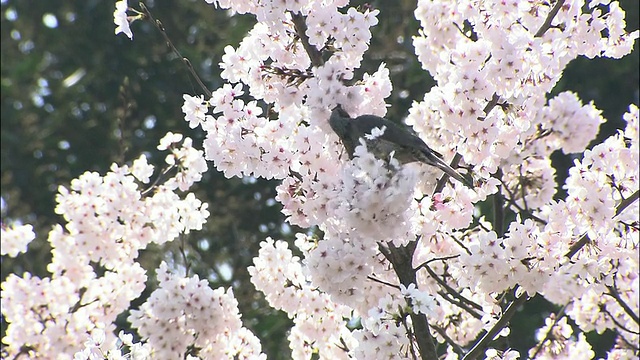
(339, 121)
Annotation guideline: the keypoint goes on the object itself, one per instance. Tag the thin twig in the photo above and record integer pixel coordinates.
(157, 180)
(498, 208)
(459, 350)
(480, 346)
(545, 26)
(443, 258)
(447, 297)
(383, 282)
(558, 316)
(585, 238)
(630, 344)
(463, 246)
(456, 294)
(616, 322)
(410, 334)
(523, 189)
(512, 203)
(183, 252)
(160, 27)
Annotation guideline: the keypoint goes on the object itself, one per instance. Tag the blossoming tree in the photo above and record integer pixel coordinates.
(408, 264)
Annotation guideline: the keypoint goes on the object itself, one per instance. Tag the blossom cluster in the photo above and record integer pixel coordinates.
(391, 251)
(94, 272)
(517, 68)
(508, 57)
(96, 348)
(271, 62)
(556, 340)
(185, 313)
(15, 239)
(318, 321)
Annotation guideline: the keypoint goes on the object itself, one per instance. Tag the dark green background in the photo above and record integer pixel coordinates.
(107, 116)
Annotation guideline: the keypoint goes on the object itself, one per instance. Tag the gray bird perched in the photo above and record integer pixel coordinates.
(406, 146)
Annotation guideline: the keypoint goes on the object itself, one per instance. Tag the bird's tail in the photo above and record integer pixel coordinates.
(442, 165)
(456, 175)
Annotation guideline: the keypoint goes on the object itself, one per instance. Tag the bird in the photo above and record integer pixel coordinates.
(407, 147)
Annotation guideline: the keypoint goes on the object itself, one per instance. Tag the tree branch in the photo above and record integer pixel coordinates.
(426, 263)
(626, 202)
(613, 292)
(160, 27)
(401, 258)
(383, 282)
(585, 238)
(545, 26)
(301, 29)
(558, 317)
(410, 334)
(490, 105)
(459, 350)
(547, 22)
(498, 208)
(456, 295)
(497, 327)
(512, 203)
(616, 322)
(443, 180)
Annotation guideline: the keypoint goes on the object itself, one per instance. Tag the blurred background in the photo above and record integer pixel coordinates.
(76, 98)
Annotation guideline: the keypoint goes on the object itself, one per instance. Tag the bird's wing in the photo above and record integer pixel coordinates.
(407, 146)
(394, 133)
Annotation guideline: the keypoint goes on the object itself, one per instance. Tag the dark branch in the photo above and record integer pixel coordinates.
(490, 105)
(450, 299)
(545, 26)
(480, 346)
(584, 240)
(401, 258)
(383, 282)
(547, 336)
(498, 208)
(456, 295)
(443, 180)
(627, 309)
(626, 202)
(301, 29)
(410, 335)
(547, 22)
(449, 340)
(616, 322)
(512, 203)
(424, 264)
(186, 61)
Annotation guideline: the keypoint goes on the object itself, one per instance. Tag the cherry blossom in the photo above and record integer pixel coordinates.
(120, 19)
(185, 313)
(403, 259)
(16, 238)
(107, 222)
